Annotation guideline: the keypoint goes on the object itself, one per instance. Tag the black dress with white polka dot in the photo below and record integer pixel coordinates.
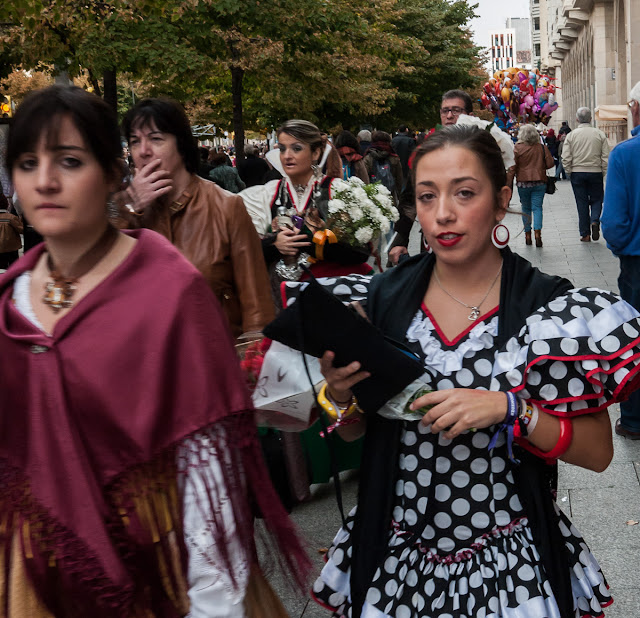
(459, 544)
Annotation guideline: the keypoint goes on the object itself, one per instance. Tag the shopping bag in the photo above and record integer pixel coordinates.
(283, 384)
(551, 185)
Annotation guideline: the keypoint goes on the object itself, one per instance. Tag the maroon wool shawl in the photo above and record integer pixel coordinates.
(142, 362)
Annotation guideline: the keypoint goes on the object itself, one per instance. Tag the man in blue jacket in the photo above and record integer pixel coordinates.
(621, 229)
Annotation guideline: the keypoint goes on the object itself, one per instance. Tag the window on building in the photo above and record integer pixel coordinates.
(536, 23)
(536, 49)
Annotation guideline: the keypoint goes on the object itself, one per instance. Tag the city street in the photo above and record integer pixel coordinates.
(604, 507)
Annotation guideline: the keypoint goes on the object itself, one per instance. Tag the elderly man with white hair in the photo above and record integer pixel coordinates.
(584, 158)
(621, 229)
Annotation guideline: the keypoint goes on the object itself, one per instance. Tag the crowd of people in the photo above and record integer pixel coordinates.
(132, 471)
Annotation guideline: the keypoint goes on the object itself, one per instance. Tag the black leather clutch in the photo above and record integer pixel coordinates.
(318, 322)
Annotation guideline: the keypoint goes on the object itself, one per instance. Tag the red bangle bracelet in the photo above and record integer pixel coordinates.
(562, 445)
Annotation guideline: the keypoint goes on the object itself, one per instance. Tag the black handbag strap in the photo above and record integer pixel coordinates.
(328, 436)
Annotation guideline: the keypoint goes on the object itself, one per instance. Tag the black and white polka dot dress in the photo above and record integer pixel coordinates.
(459, 544)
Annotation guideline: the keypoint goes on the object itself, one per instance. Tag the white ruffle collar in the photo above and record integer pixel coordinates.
(447, 361)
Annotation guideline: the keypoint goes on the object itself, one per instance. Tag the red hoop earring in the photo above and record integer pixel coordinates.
(500, 236)
(426, 245)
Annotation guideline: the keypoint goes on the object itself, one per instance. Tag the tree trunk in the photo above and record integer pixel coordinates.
(95, 84)
(236, 96)
(110, 88)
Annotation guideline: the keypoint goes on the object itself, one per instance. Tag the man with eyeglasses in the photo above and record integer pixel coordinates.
(621, 229)
(454, 103)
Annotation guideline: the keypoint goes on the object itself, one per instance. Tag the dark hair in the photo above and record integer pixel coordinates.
(219, 158)
(403, 128)
(304, 131)
(381, 136)
(40, 114)
(169, 117)
(204, 152)
(478, 141)
(459, 94)
(346, 138)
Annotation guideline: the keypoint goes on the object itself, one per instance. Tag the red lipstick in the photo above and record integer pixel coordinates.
(448, 239)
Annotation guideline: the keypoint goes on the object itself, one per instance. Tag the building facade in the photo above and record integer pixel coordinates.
(522, 29)
(592, 47)
(503, 49)
(511, 46)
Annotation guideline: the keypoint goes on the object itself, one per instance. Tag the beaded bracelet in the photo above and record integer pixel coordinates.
(527, 418)
(507, 425)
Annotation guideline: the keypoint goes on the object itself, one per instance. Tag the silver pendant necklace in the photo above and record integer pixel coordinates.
(475, 309)
(300, 189)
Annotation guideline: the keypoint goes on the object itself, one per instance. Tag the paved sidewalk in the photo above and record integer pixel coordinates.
(600, 505)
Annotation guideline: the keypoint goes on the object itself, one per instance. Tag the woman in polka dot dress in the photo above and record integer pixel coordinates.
(450, 521)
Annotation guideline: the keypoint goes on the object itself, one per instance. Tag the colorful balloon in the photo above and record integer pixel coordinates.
(516, 94)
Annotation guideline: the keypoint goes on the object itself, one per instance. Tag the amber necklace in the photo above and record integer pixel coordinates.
(59, 290)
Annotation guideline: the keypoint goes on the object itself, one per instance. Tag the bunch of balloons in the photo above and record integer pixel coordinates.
(518, 95)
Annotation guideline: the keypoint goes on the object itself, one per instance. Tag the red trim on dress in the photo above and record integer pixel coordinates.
(603, 605)
(441, 334)
(275, 195)
(283, 294)
(628, 383)
(333, 269)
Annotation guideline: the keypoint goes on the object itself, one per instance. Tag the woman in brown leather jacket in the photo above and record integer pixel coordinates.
(209, 225)
(533, 159)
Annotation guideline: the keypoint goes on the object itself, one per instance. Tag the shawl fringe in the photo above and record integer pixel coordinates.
(146, 526)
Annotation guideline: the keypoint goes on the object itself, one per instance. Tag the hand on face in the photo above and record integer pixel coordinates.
(159, 164)
(148, 184)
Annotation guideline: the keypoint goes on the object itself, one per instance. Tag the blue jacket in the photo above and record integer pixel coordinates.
(621, 210)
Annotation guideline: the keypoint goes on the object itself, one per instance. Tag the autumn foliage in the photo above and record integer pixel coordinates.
(255, 63)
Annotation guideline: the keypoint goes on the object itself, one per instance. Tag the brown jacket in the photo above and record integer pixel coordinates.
(530, 166)
(10, 230)
(212, 229)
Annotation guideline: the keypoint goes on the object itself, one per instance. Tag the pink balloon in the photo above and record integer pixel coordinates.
(529, 101)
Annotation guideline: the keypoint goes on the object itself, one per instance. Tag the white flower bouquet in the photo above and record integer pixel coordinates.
(358, 212)
(503, 139)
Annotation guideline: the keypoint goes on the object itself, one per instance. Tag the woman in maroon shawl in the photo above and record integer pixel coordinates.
(129, 463)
